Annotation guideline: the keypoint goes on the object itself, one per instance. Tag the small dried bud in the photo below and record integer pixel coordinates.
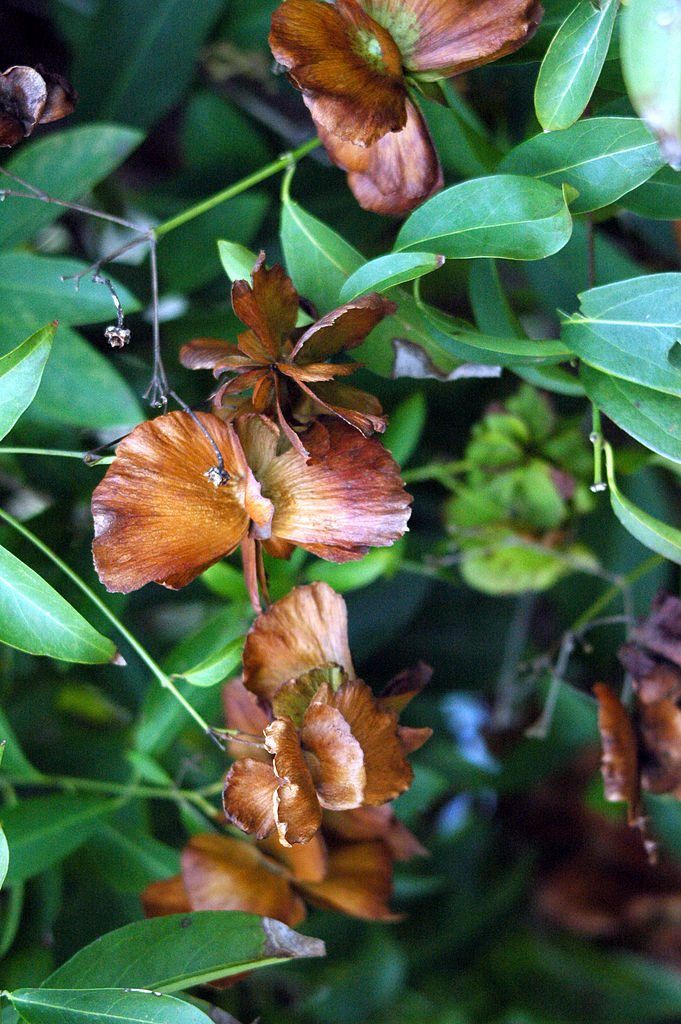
(118, 337)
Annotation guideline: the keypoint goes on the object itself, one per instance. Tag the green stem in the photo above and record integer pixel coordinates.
(280, 164)
(597, 441)
(142, 653)
(72, 784)
(602, 602)
(54, 452)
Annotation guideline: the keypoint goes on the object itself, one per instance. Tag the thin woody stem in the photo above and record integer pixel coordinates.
(588, 620)
(159, 388)
(95, 267)
(44, 197)
(141, 651)
(218, 475)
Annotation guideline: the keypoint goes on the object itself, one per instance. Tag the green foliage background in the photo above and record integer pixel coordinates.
(175, 105)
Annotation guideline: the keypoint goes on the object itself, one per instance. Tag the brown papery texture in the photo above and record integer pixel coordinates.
(354, 95)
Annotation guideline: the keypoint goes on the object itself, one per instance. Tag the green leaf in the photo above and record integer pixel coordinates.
(42, 830)
(218, 667)
(187, 256)
(631, 330)
(162, 720)
(659, 198)
(463, 342)
(508, 216)
(172, 953)
(20, 374)
(219, 143)
(320, 261)
(145, 62)
(237, 260)
(405, 428)
(602, 158)
(461, 140)
(65, 164)
(355, 575)
(551, 378)
(494, 316)
(573, 64)
(514, 567)
(108, 401)
(36, 619)
(102, 1005)
(652, 417)
(557, 281)
(14, 760)
(32, 293)
(389, 271)
(4, 848)
(129, 862)
(651, 64)
(651, 532)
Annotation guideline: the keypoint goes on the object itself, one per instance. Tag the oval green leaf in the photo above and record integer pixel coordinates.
(42, 830)
(218, 666)
(175, 952)
(651, 64)
(493, 315)
(320, 261)
(631, 329)
(505, 215)
(573, 64)
(349, 576)
(237, 260)
(405, 428)
(602, 158)
(468, 344)
(36, 619)
(66, 164)
(652, 417)
(147, 62)
(4, 857)
(389, 271)
(651, 532)
(4, 848)
(21, 371)
(659, 198)
(103, 1006)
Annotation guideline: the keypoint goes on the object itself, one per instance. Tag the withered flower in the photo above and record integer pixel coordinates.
(653, 658)
(592, 876)
(286, 368)
(352, 61)
(619, 762)
(163, 513)
(29, 97)
(266, 878)
(330, 744)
